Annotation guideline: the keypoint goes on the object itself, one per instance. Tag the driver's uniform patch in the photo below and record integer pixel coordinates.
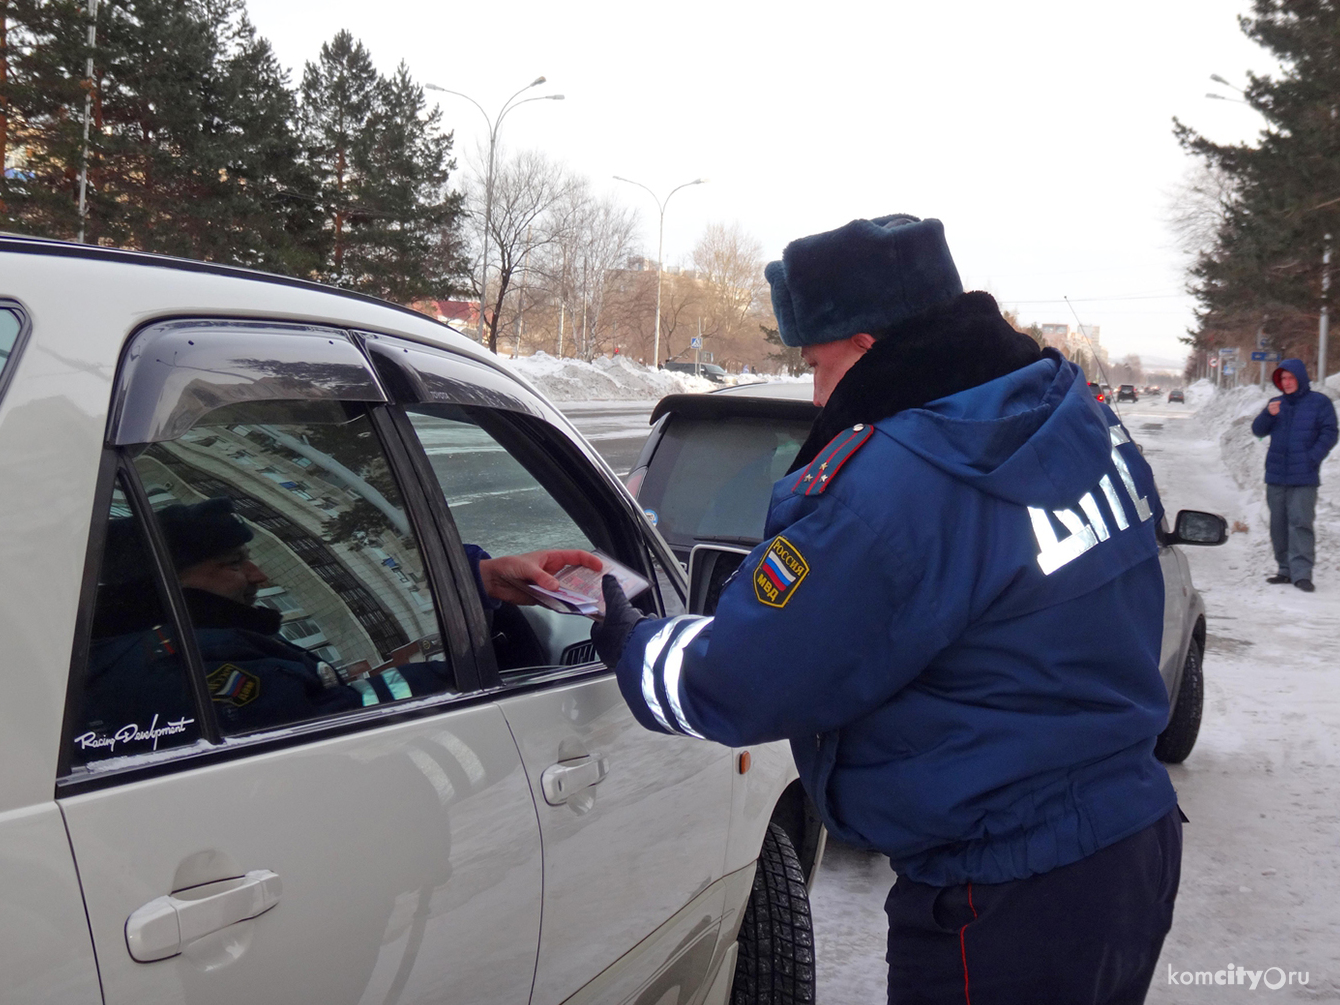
(234, 686)
(779, 573)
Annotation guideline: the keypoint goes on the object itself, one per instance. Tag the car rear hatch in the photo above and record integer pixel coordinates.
(706, 473)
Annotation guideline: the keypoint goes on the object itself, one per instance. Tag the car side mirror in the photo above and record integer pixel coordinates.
(1195, 527)
(710, 567)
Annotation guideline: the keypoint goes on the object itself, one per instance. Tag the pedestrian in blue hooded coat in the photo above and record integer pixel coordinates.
(956, 621)
(1302, 429)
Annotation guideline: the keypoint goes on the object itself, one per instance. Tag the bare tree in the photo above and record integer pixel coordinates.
(734, 302)
(527, 187)
(585, 264)
(1197, 205)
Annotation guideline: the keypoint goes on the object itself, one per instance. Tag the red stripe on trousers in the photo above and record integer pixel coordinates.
(964, 949)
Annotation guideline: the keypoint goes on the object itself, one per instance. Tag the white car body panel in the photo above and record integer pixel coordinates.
(47, 958)
(646, 842)
(392, 845)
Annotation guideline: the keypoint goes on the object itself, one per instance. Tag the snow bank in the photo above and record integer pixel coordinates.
(609, 378)
(1199, 393)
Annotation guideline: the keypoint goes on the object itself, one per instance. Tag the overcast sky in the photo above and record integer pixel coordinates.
(1038, 131)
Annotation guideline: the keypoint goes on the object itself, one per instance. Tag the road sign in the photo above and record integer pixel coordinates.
(1214, 361)
(1231, 351)
(1265, 357)
(1229, 369)
(695, 343)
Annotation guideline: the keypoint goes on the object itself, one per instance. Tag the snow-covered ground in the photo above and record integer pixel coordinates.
(608, 378)
(1261, 864)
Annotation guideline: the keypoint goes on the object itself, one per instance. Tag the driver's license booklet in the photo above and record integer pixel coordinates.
(579, 591)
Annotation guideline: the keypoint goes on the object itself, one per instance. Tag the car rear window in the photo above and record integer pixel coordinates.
(9, 339)
(712, 479)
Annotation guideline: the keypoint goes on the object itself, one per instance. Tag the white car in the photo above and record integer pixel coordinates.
(344, 780)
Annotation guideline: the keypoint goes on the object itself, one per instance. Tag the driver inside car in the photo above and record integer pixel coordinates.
(255, 677)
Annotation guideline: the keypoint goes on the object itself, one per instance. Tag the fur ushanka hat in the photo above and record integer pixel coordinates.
(863, 277)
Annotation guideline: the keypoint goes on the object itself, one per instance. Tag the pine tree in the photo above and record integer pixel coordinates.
(339, 99)
(1285, 187)
(192, 150)
(42, 95)
(384, 163)
(788, 357)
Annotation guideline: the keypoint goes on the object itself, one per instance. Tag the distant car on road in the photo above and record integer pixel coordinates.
(1127, 392)
(707, 471)
(1097, 391)
(711, 371)
(1176, 395)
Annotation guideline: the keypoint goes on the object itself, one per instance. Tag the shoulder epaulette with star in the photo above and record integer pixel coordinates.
(821, 471)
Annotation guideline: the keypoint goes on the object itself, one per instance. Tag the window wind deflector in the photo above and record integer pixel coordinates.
(176, 372)
(431, 376)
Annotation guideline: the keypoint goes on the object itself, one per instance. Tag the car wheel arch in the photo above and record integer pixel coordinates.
(796, 814)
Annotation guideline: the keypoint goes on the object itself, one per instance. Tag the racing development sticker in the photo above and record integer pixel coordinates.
(780, 572)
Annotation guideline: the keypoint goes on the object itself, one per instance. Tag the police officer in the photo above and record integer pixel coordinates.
(956, 620)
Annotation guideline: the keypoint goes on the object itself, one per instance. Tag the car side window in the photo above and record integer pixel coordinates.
(136, 697)
(506, 500)
(11, 325)
(302, 576)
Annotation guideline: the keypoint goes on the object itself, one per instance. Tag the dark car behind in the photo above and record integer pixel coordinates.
(716, 458)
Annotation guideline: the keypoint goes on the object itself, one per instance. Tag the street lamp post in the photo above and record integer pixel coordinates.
(88, 112)
(660, 247)
(493, 125)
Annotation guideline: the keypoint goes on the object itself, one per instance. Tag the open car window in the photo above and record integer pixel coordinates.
(509, 492)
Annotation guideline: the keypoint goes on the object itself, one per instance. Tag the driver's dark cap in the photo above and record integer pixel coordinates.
(199, 531)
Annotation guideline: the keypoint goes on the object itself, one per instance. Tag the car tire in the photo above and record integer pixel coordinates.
(1177, 739)
(775, 965)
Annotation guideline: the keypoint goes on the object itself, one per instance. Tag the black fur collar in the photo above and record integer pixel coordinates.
(135, 607)
(940, 352)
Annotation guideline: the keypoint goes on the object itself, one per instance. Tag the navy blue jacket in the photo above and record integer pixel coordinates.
(958, 632)
(1301, 435)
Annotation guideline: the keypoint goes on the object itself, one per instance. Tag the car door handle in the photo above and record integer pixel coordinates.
(561, 781)
(166, 925)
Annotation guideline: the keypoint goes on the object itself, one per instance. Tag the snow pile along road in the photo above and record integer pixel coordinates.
(608, 378)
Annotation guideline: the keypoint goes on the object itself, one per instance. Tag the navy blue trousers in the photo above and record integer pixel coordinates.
(1088, 933)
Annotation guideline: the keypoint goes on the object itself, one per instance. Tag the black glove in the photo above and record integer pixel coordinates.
(621, 617)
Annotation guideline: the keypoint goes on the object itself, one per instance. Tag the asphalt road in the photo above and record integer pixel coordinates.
(617, 431)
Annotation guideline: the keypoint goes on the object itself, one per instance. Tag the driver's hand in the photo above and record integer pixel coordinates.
(506, 578)
(1274, 407)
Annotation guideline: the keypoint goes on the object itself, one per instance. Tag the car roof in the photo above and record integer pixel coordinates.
(803, 389)
(772, 400)
(220, 290)
(70, 249)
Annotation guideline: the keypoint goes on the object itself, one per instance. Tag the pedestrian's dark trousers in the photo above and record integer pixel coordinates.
(1292, 511)
(1088, 933)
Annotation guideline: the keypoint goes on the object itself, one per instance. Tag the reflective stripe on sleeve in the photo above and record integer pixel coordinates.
(670, 674)
(649, 657)
(396, 684)
(364, 688)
